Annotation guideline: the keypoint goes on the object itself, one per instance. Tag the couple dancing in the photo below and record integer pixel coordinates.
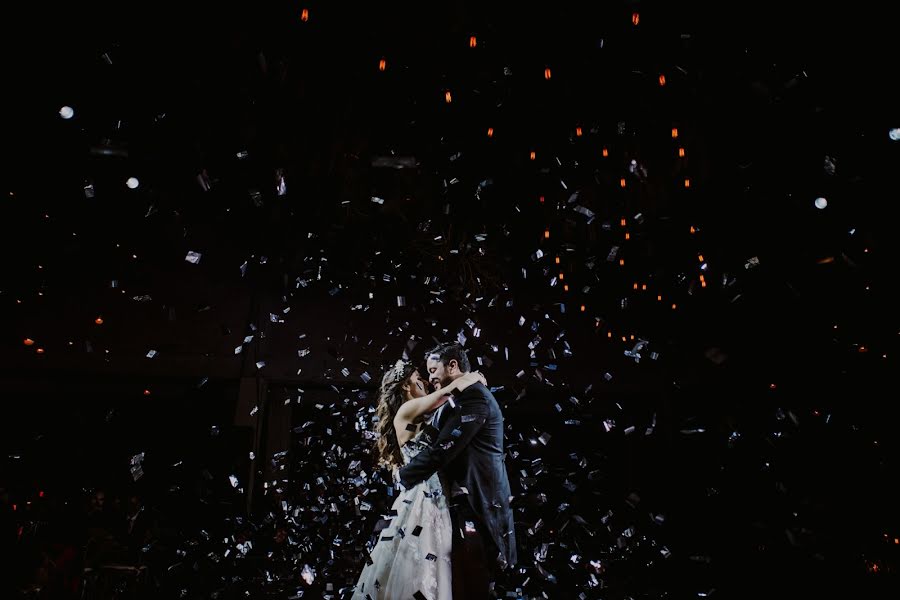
(451, 527)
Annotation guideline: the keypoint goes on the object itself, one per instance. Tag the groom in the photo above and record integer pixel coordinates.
(469, 453)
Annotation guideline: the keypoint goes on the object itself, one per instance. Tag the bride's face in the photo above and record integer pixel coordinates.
(416, 385)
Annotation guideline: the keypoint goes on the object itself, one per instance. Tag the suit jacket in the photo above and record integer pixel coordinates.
(469, 451)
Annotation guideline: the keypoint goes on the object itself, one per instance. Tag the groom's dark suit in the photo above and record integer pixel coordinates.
(469, 452)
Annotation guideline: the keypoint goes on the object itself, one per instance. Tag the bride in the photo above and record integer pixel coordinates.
(411, 558)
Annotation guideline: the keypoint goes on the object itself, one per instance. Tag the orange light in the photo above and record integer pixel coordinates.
(605, 153)
(624, 339)
(674, 132)
(863, 349)
(662, 79)
(693, 230)
(896, 541)
(547, 73)
(623, 221)
(681, 153)
(562, 276)
(627, 236)
(673, 306)
(700, 257)
(621, 262)
(382, 64)
(546, 234)
(622, 182)
(304, 15)
(557, 260)
(99, 320)
(146, 392)
(566, 288)
(40, 350)
(448, 97)
(609, 334)
(631, 337)
(659, 298)
(472, 42)
(644, 287)
(635, 18)
(635, 285)
(578, 131)
(490, 132)
(533, 155)
(582, 308)
(687, 183)
(702, 281)
(28, 342)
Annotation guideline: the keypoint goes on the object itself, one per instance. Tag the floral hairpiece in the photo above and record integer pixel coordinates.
(396, 373)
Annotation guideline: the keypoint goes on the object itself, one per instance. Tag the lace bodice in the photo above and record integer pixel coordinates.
(418, 443)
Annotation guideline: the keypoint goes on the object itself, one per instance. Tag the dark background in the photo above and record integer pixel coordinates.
(769, 395)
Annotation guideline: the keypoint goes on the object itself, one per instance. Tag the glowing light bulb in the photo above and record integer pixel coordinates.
(67, 112)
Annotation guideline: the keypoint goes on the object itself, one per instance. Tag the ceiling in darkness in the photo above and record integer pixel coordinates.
(341, 209)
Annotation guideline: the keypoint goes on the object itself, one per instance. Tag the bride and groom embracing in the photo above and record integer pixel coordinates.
(451, 527)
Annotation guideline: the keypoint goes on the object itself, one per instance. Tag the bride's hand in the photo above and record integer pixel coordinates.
(468, 379)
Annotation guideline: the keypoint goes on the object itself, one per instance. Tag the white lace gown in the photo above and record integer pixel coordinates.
(411, 559)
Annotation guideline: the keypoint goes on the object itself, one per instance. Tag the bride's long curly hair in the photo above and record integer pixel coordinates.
(390, 397)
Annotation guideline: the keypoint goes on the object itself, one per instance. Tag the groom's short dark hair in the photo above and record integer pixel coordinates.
(450, 351)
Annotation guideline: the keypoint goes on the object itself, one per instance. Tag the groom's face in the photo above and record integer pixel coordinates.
(439, 373)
